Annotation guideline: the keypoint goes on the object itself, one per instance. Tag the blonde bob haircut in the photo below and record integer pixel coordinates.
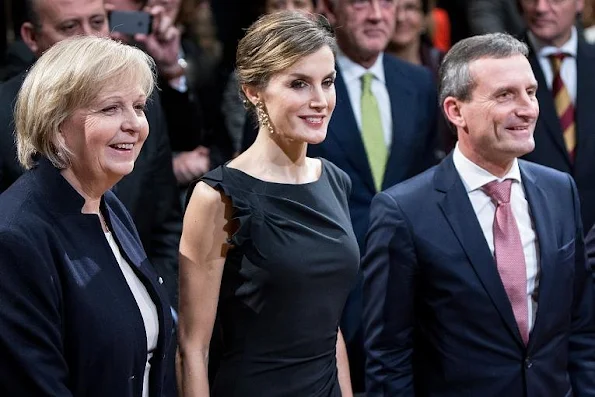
(276, 42)
(70, 76)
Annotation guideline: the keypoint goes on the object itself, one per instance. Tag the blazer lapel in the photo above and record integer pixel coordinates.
(403, 130)
(344, 130)
(547, 109)
(459, 212)
(545, 231)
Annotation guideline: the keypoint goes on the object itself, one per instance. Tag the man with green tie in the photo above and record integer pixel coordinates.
(383, 129)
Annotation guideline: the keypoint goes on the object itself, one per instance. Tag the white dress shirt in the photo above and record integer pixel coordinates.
(474, 178)
(352, 75)
(145, 304)
(568, 66)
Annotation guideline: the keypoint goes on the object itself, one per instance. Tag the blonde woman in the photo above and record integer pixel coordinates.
(82, 313)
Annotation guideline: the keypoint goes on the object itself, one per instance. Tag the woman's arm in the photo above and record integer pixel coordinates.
(203, 248)
(343, 367)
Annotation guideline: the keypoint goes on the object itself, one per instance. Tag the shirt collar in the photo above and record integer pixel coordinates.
(474, 177)
(352, 71)
(543, 50)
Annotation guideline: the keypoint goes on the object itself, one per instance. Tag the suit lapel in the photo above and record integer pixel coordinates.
(547, 109)
(585, 97)
(459, 213)
(545, 231)
(344, 130)
(403, 130)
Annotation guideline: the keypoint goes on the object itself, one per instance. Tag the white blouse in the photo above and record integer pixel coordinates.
(145, 304)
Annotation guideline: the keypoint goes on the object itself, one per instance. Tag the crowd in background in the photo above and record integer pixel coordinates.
(198, 121)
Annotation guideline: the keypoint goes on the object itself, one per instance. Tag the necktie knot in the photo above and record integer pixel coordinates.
(367, 82)
(556, 60)
(498, 191)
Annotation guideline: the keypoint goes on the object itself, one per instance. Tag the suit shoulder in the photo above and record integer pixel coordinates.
(9, 89)
(417, 72)
(21, 211)
(544, 173)
(587, 47)
(415, 188)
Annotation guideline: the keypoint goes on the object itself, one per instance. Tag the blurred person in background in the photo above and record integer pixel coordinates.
(268, 248)
(149, 192)
(563, 63)
(493, 16)
(83, 312)
(196, 131)
(588, 21)
(411, 42)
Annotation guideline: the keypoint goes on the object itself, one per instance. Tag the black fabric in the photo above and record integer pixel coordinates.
(18, 57)
(285, 282)
(70, 324)
(149, 192)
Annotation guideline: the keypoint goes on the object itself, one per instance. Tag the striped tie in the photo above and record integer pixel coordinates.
(564, 106)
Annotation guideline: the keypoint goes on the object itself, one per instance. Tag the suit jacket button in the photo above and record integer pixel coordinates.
(528, 363)
(160, 280)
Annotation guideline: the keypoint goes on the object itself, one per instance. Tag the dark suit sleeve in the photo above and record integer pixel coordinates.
(32, 361)
(389, 269)
(581, 345)
(167, 222)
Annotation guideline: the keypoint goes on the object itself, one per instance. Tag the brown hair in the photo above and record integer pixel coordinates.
(277, 41)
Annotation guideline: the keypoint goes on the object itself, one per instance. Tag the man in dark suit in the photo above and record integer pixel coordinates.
(475, 281)
(149, 192)
(383, 129)
(563, 63)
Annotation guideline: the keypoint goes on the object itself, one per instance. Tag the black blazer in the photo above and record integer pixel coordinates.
(437, 320)
(70, 324)
(149, 192)
(549, 141)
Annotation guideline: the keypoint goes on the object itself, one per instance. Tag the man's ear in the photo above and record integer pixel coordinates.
(580, 5)
(29, 36)
(330, 7)
(452, 109)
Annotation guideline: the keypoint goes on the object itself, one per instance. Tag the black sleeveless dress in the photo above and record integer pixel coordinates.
(285, 282)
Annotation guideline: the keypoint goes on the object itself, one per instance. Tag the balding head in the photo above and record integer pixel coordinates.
(51, 21)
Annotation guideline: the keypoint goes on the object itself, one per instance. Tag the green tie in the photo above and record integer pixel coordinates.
(372, 132)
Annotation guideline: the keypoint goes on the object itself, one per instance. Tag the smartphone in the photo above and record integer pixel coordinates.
(130, 22)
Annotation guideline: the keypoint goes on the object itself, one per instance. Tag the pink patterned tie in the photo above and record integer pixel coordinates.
(508, 251)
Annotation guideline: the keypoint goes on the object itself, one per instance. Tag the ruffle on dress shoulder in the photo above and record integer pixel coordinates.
(245, 255)
(244, 204)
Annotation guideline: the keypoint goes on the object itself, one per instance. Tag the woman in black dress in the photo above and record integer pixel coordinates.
(267, 245)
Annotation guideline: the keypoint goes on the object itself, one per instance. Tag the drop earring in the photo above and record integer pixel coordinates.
(263, 117)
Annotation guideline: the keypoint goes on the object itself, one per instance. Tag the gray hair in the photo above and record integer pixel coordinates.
(455, 78)
(67, 77)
